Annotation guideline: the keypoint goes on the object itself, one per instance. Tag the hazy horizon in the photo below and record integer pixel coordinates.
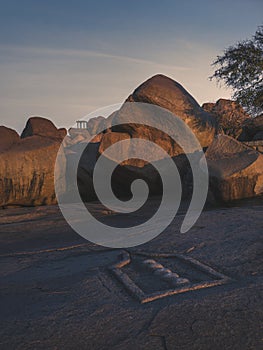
(65, 61)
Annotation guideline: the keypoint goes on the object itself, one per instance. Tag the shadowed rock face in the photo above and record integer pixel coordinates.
(258, 136)
(27, 167)
(252, 130)
(229, 115)
(8, 138)
(236, 171)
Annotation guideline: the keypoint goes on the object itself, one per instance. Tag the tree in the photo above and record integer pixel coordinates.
(241, 68)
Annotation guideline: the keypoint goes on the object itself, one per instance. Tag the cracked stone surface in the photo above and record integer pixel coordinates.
(57, 292)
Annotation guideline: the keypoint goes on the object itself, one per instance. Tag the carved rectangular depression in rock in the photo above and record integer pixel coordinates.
(151, 276)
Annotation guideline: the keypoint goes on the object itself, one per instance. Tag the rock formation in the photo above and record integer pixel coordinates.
(175, 101)
(95, 123)
(27, 166)
(236, 171)
(38, 126)
(8, 138)
(252, 129)
(167, 93)
(229, 115)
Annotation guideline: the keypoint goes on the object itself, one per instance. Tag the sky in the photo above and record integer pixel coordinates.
(65, 59)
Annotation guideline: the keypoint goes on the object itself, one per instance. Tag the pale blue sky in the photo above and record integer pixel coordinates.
(63, 59)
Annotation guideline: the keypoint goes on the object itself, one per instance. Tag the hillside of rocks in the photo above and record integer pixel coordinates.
(230, 138)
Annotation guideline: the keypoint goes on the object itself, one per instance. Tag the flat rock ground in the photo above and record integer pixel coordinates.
(57, 291)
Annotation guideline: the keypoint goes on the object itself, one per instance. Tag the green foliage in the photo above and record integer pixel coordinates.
(241, 68)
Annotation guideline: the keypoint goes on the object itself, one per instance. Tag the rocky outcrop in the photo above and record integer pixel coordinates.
(83, 133)
(38, 126)
(27, 163)
(252, 129)
(144, 165)
(167, 93)
(110, 138)
(27, 167)
(95, 123)
(236, 171)
(8, 137)
(175, 101)
(230, 116)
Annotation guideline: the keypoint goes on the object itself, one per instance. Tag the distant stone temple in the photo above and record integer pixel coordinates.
(82, 124)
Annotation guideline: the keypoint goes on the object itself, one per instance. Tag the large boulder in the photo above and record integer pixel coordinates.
(8, 137)
(38, 126)
(235, 170)
(27, 172)
(230, 116)
(27, 165)
(174, 101)
(140, 161)
(167, 93)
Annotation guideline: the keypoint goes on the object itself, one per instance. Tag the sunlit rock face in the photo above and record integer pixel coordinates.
(39, 126)
(27, 165)
(174, 101)
(169, 94)
(8, 138)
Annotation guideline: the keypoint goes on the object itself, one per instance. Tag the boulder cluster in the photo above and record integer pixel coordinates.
(231, 139)
(27, 163)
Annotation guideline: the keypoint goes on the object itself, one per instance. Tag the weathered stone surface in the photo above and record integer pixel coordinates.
(74, 132)
(38, 126)
(175, 102)
(27, 172)
(80, 143)
(84, 166)
(251, 128)
(236, 171)
(256, 145)
(230, 116)
(27, 166)
(143, 166)
(258, 136)
(57, 292)
(208, 107)
(167, 93)
(8, 137)
(111, 138)
(95, 123)
(85, 171)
